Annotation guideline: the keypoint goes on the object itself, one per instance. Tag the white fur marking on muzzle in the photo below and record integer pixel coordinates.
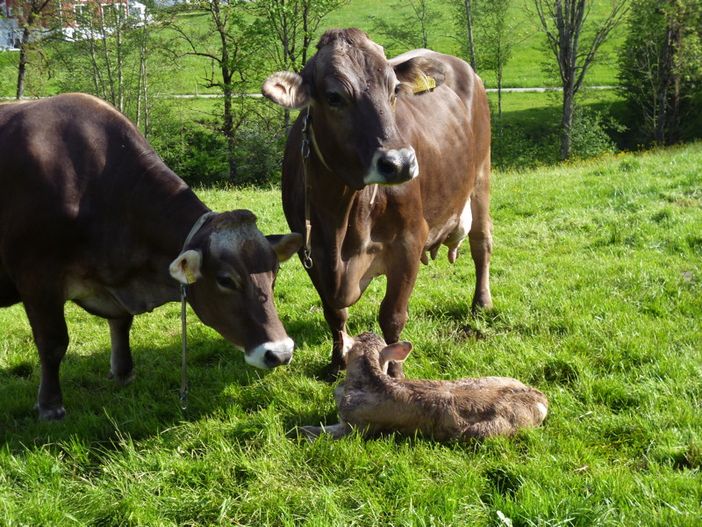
(271, 354)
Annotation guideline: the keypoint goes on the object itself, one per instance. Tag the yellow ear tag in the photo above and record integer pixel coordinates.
(423, 84)
(190, 276)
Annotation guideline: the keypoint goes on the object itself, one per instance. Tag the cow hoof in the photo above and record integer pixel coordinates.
(330, 373)
(122, 380)
(51, 414)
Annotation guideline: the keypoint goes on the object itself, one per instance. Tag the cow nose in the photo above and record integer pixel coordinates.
(271, 354)
(277, 358)
(397, 166)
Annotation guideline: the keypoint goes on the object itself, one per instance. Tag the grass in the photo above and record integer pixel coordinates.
(597, 281)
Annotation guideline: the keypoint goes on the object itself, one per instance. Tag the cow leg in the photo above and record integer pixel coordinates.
(121, 363)
(8, 292)
(51, 337)
(480, 238)
(393, 309)
(336, 319)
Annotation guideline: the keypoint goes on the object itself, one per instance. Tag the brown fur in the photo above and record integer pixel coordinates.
(90, 213)
(374, 402)
(360, 230)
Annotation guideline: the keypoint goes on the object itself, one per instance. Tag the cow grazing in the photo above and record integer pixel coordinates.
(373, 402)
(90, 213)
(387, 161)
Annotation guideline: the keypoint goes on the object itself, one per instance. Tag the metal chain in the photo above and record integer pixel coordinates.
(184, 340)
(305, 151)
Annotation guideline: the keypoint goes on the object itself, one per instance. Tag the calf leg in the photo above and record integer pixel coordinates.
(480, 237)
(336, 319)
(336, 431)
(51, 337)
(121, 363)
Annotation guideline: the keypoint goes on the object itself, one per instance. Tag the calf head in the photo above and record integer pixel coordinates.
(231, 267)
(351, 92)
(368, 353)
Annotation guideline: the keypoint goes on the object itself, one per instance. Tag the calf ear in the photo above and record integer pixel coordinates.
(421, 74)
(287, 89)
(397, 352)
(285, 245)
(186, 268)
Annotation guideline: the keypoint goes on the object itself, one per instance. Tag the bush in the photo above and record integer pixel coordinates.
(517, 146)
(661, 70)
(194, 150)
(590, 134)
(197, 150)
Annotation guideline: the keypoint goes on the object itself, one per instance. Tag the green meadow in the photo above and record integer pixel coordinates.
(597, 283)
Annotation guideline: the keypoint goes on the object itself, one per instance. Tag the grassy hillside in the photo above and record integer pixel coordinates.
(597, 284)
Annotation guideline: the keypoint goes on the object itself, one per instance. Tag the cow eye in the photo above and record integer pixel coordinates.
(398, 89)
(334, 99)
(227, 282)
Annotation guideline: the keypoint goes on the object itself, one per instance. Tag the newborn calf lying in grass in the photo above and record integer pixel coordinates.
(373, 402)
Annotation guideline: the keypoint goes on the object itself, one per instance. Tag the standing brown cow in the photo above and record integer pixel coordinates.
(419, 126)
(90, 213)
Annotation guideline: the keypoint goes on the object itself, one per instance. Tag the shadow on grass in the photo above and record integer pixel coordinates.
(100, 411)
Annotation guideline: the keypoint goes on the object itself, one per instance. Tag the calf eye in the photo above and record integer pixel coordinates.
(398, 89)
(334, 99)
(226, 282)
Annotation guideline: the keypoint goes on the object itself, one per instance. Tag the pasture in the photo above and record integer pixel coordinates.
(597, 283)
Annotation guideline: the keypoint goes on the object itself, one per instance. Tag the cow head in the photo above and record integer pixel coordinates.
(351, 92)
(231, 269)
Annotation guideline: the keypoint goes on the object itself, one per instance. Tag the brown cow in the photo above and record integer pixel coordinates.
(90, 213)
(374, 403)
(420, 122)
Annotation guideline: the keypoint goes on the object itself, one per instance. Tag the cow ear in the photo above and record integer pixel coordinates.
(287, 89)
(421, 74)
(397, 352)
(186, 268)
(285, 245)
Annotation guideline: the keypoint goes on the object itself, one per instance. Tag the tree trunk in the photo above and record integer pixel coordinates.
(469, 29)
(567, 120)
(499, 90)
(666, 68)
(22, 67)
(228, 131)
(120, 59)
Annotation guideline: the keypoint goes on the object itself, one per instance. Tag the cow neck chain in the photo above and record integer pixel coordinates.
(309, 143)
(307, 140)
(183, 317)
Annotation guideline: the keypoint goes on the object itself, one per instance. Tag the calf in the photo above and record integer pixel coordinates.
(374, 402)
(90, 213)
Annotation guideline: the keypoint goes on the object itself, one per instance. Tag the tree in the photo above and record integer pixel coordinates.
(105, 54)
(292, 24)
(564, 23)
(464, 22)
(411, 30)
(496, 38)
(233, 54)
(31, 14)
(661, 66)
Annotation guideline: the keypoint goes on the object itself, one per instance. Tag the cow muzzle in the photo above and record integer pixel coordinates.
(391, 167)
(271, 354)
